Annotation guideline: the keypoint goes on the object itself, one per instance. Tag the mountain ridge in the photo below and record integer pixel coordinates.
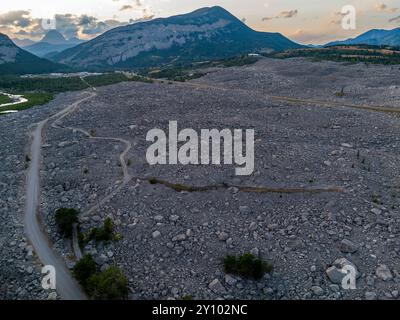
(377, 37)
(52, 43)
(14, 60)
(206, 33)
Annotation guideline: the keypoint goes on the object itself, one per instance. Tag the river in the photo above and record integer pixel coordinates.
(16, 99)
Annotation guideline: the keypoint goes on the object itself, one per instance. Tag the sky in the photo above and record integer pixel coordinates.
(304, 21)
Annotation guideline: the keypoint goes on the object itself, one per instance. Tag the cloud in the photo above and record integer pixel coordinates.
(126, 7)
(20, 23)
(136, 4)
(18, 18)
(337, 18)
(288, 14)
(381, 7)
(96, 27)
(283, 15)
(395, 19)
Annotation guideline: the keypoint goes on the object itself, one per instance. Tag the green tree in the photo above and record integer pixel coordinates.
(84, 269)
(108, 285)
(65, 219)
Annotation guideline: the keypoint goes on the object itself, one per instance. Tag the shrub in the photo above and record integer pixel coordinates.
(246, 266)
(117, 237)
(84, 269)
(104, 233)
(153, 181)
(108, 226)
(108, 285)
(65, 218)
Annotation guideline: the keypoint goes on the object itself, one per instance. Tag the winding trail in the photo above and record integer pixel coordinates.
(127, 177)
(75, 242)
(66, 285)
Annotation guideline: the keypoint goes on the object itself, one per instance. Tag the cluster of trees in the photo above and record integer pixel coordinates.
(110, 284)
(352, 54)
(18, 84)
(182, 72)
(51, 85)
(105, 79)
(176, 74)
(67, 217)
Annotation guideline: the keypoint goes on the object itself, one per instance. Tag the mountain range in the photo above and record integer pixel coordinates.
(205, 34)
(202, 35)
(14, 60)
(51, 44)
(376, 37)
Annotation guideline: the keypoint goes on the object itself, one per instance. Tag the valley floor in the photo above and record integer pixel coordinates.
(309, 134)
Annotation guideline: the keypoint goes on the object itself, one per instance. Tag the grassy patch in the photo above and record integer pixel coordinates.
(34, 99)
(40, 91)
(246, 266)
(5, 99)
(376, 199)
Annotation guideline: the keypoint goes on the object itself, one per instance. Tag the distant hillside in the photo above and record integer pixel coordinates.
(205, 34)
(374, 37)
(51, 44)
(347, 53)
(14, 60)
(23, 42)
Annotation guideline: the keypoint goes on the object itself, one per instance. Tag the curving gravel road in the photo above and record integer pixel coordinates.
(66, 285)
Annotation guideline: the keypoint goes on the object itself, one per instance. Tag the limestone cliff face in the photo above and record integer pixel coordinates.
(122, 45)
(203, 34)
